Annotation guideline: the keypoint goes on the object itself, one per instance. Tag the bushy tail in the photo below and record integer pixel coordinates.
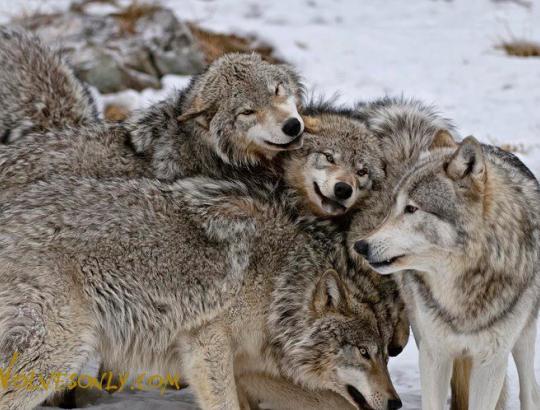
(38, 89)
(461, 376)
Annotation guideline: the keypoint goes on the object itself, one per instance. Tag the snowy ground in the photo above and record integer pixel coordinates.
(440, 51)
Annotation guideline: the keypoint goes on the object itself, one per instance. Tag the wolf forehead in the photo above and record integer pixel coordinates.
(246, 76)
(345, 136)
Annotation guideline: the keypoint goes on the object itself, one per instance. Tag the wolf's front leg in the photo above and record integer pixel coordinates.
(208, 364)
(487, 380)
(435, 373)
(523, 352)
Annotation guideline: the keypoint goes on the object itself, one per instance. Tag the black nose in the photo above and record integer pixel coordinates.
(342, 190)
(362, 247)
(394, 351)
(292, 127)
(394, 404)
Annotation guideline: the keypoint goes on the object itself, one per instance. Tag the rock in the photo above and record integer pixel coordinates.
(125, 48)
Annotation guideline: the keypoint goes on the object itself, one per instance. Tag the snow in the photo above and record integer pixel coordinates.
(440, 51)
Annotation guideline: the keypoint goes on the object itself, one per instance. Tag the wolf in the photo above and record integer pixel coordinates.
(466, 222)
(239, 113)
(39, 91)
(326, 177)
(108, 266)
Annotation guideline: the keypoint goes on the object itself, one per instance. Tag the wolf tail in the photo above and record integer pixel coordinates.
(460, 385)
(38, 90)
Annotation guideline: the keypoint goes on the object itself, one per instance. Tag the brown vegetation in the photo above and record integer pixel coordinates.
(214, 45)
(521, 48)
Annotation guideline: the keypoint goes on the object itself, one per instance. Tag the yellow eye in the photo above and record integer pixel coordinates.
(363, 351)
(410, 209)
(361, 172)
(247, 112)
(330, 158)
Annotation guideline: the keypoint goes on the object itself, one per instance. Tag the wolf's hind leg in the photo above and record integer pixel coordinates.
(208, 363)
(524, 352)
(487, 382)
(43, 339)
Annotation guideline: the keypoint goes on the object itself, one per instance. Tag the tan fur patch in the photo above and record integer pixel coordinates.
(442, 139)
(312, 124)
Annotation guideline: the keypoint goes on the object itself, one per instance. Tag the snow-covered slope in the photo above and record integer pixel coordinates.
(441, 51)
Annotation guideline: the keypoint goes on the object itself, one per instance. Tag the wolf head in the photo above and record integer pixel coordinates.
(338, 166)
(246, 108)
(439, 209)
(341, 347)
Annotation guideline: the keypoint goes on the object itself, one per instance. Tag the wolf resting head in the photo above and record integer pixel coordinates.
(438, 211)
(246, 108)
(338, 166)
(341, 348)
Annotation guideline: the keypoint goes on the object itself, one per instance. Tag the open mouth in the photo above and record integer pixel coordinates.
(358, 398)
(286, 145)
(334, 206)
(384, 263)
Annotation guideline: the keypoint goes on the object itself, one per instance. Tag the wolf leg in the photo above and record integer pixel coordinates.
(208, 363)
(523, 352)
(44, 338)
(435, 373)
(487, 382)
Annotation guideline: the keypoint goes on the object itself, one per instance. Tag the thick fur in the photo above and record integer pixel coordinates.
(467, 220)
(203, 129)
(117, 260)
(38, 89)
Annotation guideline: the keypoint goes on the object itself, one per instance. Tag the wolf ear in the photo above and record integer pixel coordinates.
(196, 111)
(311, 124)
(467, 162)
(329, 293)
(442, 139)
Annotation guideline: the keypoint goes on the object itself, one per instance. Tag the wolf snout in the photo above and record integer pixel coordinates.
(362, 248)
(394, 404)
(342, 190)
(292, 127)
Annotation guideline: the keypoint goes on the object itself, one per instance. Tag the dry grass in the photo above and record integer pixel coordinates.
(514, 148)
(214, 45)
(129, 16)
(520, 48)
(116, 113)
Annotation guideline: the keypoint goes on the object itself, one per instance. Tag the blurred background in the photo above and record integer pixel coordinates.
(477, 61)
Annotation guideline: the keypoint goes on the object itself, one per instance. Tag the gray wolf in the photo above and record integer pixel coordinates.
(38, 89)
(466, 219)
(108, 266)
(326, 177)
(240, 113)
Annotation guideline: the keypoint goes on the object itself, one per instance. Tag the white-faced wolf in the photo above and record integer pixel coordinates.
(467, 220)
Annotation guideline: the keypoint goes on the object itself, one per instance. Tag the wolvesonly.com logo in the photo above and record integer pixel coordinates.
(59, 381)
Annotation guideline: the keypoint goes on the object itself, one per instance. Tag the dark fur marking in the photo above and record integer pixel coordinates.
(5, 137)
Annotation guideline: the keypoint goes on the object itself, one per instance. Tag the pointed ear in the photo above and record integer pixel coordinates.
(467, 161)
(312, 125)
(197, 111)
(442, 139)
(330, 293)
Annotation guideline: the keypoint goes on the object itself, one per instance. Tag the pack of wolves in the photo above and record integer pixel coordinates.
(237, 232)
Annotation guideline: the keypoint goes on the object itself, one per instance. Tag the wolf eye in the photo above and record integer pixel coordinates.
(279, 90)
(361, 172)
(330, 158)
(247, 112)
(410, 209)
(363, 351)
